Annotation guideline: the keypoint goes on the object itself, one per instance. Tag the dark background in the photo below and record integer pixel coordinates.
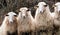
(13, 5)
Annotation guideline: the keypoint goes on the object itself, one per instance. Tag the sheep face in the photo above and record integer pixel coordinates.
(41, 7)
(11, 17)
(57, 7)
(24, 12)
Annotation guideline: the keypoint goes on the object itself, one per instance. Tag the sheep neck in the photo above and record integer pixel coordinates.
(57, 14)
(44, 15)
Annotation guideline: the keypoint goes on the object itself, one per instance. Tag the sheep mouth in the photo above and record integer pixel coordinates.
(42, 12)
(11, 23)
(12, 33)
(24, 17)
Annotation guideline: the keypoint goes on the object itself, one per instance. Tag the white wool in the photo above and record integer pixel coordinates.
(56, 14)
(57, 17)
(5, 24)
(42, 18)
(25, 24)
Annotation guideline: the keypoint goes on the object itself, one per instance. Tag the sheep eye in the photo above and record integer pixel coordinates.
(7, 15)
(15, 15)
(54, 5)
(45, 5)
(37, 6)
(19, 11)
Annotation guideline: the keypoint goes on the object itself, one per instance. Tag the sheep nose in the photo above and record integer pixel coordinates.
(41, 11)
(23, 16)
(11, 21)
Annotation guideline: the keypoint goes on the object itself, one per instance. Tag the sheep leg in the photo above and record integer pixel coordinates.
(58, 32)
(37, 32)
(19, 33)
(44, 33)
(33, 33)
(40, 33)
(49, 33)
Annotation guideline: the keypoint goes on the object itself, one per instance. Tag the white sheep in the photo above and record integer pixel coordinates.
(9, 24)
(25, 21)
(43, 18)
(56, 17)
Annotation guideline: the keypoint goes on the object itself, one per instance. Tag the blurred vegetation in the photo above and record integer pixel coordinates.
(13, 5)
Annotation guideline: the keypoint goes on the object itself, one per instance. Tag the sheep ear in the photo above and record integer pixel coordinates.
(36, 6)
(19, 10)
(29, 9)
(54, 6)
(6, 15)
(45, 5)
(15, 15)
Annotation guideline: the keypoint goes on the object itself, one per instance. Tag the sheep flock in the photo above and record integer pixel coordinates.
(44, 22)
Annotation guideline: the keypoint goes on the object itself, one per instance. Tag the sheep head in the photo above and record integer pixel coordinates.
(41, 7)
(24, 12)
(57, 7)
(11, 17)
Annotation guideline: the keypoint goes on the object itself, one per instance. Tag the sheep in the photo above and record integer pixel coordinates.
(43, 18)
(56, 17)
(9, 24)
(25, 21)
